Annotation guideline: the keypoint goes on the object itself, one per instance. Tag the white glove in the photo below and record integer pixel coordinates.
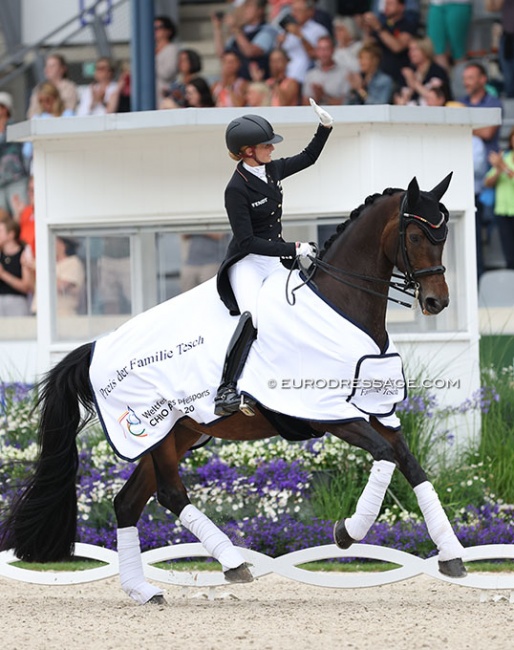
(305, 249)
(325, 118)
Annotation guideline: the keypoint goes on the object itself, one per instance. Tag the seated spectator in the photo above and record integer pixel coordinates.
(448, 25)
(101, 96)
(285, 91)
(204, 254)
(69, 275)
(166, 55)
(370, 85)
(392, 32)
(230, 89)
(17, 278)
(258, 94)
(198, 94)
(422, 74)
(13, 175)
(189, 65)
(56, 73)
(49, 104)
(474, 79)
(299, 38)
(346, 53)
(326, 83)
(441, 96)
(251, 37)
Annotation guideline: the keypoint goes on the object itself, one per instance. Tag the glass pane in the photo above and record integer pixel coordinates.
(111, 279)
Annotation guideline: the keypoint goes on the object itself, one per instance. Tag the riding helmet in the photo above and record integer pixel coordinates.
(248, 131)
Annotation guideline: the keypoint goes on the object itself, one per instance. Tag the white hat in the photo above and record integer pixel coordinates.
(6, 100)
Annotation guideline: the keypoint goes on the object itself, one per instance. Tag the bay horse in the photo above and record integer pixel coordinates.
(398, 228)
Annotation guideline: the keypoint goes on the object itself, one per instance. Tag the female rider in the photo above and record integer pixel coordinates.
(253, 200)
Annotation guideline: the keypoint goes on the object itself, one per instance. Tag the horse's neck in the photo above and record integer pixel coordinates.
(360, 252)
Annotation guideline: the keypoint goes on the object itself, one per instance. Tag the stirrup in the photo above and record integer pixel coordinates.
(246, 406)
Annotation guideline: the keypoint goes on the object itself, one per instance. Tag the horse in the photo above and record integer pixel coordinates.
(402, 229)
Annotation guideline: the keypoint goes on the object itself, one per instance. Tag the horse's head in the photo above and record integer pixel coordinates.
(423, 230)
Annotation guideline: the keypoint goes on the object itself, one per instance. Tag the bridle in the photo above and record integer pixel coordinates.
(409, 284)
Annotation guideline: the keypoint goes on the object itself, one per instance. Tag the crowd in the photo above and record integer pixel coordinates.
(281, 53)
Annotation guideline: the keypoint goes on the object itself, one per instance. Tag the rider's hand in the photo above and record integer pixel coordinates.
(325, 118)
(305, 249)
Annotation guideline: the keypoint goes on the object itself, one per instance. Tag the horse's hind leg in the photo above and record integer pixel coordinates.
(438, 524)
(172, 495)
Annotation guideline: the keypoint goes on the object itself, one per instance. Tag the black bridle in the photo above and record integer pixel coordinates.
(409, 284)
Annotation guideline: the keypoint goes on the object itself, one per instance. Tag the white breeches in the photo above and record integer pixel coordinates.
(246, 278)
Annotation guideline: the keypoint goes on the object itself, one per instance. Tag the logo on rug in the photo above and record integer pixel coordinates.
(132, 423)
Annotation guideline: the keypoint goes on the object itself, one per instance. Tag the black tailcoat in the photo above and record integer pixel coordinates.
(254, 209)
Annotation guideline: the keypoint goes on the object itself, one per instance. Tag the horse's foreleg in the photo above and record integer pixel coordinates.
(172, 495)
(361, 434)
(128, 506)
(439, 528)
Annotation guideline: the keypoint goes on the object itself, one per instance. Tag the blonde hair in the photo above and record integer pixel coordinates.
(426, 46)
(48, 89)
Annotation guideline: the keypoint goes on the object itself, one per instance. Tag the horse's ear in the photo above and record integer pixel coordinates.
(412, 193)
(440, 189)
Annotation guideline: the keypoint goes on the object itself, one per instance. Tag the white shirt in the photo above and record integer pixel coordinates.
(299, 60)
(86, 100)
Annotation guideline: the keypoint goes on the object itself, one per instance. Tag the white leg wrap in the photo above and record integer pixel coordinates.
(439, 527)
(371, 500)
(131, 567)
(213, 539)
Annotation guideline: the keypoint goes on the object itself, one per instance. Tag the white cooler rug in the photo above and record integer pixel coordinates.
(308, 362)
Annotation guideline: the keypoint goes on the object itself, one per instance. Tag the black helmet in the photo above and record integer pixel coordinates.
(249, 130)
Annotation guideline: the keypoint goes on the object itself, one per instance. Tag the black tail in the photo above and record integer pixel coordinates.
(41, 525)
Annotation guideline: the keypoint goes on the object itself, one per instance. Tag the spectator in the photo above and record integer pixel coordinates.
(506, 49)
(501, 177)
(230, 89)
(198, 94)
(370, 85)
(422, 74)
(392, 32)
(299, 38)
(204, 254)
(448, 23)
(56, 72)
(24, 215)
(285, 91)
(258, 94)
(123, 84)
(16, 276)
(189, 65)
(13, 176)
(166, 55)
(474, 79)
(346, 52)
(441, 96)
(49, 104)
(252, 38)
(101, 96)
(326, 83)
(70, 276)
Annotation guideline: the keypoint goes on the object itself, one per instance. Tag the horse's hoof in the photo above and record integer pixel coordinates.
(453, 568)
(341, 536)
(241, 573)
(158, 599)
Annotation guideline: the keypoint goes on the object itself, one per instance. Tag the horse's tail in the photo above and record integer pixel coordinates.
(42, 522)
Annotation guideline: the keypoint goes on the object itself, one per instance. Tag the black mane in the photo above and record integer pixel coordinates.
(354, 214)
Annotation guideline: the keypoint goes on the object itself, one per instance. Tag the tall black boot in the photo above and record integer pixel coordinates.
(228, 400)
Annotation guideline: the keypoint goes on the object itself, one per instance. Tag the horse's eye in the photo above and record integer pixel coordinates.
(414, 238)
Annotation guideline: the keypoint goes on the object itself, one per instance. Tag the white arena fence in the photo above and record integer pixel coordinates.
(286, 566)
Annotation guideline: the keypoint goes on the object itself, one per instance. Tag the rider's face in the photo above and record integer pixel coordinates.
(263, 152)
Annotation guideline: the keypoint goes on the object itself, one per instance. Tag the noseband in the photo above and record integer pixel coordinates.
(410, 285)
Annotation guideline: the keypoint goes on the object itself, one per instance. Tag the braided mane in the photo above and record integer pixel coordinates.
(354, 214)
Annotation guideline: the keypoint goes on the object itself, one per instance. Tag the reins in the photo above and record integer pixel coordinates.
(409, 285)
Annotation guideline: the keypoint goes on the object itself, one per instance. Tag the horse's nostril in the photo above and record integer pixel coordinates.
(435, 305)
